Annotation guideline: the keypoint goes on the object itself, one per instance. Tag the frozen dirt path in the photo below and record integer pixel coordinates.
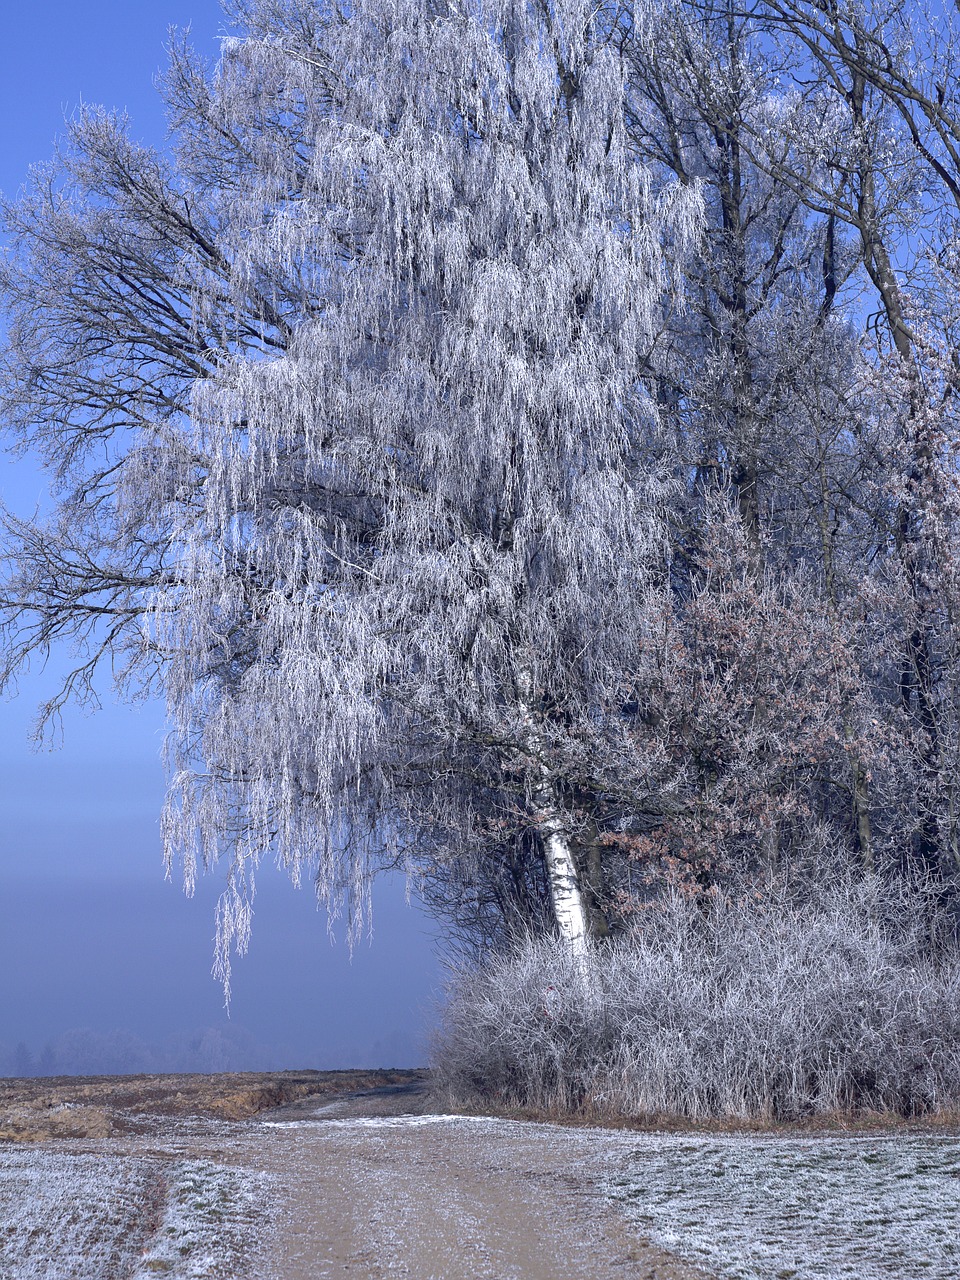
(452, 1198)
(357, 1186)
(370, 1185)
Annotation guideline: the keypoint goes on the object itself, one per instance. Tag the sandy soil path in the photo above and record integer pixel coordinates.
(371, 1187)
(139, 1177)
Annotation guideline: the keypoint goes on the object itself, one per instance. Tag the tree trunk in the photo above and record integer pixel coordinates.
(562, 875)
(860, 777)
(909, 538)
(861, 813)
(592, 862)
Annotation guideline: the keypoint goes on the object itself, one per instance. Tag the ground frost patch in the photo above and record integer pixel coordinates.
(319, 1120)
(71, 1216)
(799, 1208)
(207, 1228)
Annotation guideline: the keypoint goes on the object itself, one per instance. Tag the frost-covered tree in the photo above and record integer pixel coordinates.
(821, 136)
(358, 462)
(865, 117)
(759, 372)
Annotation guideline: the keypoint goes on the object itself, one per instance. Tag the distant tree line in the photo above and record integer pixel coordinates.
(83, 1051)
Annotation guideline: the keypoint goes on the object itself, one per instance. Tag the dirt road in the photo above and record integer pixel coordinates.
(130, 1180)
(369, 1186)
(355, 1178)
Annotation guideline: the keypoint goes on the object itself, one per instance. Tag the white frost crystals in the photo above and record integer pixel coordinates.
(210, 1219)
(418, 505)
(762, 1208)
(79, 1216)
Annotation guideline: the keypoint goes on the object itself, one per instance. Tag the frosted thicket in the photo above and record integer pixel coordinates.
(742, 1009)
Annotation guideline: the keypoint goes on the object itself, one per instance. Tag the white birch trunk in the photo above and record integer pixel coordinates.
(562, 875)
(562, 872)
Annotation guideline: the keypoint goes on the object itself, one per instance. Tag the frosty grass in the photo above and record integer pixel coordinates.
(83, 1217)
(800, 1208)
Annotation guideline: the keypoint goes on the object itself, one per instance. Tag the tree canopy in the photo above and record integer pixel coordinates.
(518, 440)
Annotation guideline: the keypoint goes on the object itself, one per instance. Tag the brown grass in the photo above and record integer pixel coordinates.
(945, 1122)
(37, 1110)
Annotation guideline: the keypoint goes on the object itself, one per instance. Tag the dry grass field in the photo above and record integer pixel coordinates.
(37, 1110)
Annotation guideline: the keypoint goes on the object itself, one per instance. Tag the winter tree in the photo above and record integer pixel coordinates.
(520, 444)
(820, 140)
(877, 119)
(348, 407)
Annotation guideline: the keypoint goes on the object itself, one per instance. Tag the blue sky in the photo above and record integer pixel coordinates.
(90, 934)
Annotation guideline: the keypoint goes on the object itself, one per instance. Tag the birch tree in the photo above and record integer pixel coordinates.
(347, 403)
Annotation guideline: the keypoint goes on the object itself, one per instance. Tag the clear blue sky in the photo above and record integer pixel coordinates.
(90, 935)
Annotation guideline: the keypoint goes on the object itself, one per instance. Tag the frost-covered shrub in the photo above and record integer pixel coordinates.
(771, 1008)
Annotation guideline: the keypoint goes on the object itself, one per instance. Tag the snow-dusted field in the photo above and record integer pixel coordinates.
(76, 1216)
(800, 1208)
(336, 1190)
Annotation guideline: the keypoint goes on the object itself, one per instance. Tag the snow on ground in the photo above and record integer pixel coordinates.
(748, 1208)
(772, 1208)
(318, 1120)
(75, 1216)
(208, 1223)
